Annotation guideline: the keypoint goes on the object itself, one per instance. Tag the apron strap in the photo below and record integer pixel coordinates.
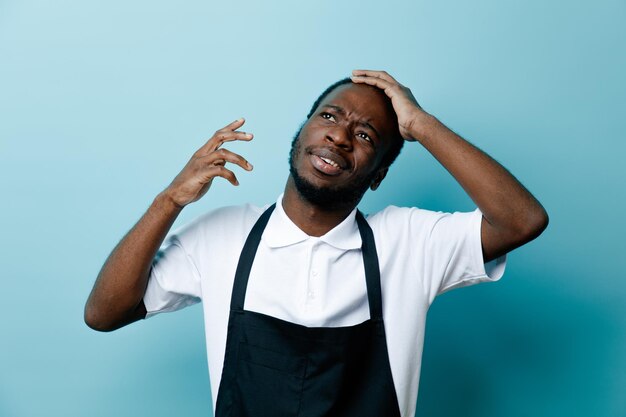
(372, 269)
(246, 258)
(368, 250)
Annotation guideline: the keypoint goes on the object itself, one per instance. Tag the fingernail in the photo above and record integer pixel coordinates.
(249, 165)
(248, 135)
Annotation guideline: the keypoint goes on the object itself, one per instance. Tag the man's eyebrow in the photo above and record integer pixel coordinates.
(340, 110)
(336, 108)
(371, 127)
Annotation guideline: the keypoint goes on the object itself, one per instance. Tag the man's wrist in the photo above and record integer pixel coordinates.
(422, 125)
(165, 203)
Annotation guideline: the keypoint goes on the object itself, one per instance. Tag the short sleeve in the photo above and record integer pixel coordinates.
(174, 281)
(453, 256)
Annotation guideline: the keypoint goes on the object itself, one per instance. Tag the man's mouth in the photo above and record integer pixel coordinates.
(328, 162)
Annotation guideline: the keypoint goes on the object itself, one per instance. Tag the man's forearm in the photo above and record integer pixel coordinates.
(121, 284)
(507, 206)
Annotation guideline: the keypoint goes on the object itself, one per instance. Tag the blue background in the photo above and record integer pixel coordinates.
(102, 103)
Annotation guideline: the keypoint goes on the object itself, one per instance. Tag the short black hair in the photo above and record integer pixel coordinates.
(396, 143)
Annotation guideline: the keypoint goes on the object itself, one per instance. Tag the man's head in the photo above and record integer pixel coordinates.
(345, 146)
(396, 141)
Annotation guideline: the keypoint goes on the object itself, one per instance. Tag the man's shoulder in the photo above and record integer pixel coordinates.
(395, 221)
(226, 220)
(393, 213)
(239, 213)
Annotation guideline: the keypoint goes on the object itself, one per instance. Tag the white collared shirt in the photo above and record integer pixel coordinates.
(320, 281)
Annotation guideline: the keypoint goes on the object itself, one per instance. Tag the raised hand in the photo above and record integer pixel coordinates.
(207, 163)
(409, 112)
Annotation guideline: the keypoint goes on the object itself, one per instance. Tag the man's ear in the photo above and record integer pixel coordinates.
(380, 175)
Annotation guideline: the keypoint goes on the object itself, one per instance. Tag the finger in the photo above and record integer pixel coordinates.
(222, 136)
(221, 171)
(376, 82)
(234, 125)
(221, 156)
(376, 74)
(220, 132)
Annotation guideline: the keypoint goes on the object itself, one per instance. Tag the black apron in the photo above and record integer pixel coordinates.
(274, 368)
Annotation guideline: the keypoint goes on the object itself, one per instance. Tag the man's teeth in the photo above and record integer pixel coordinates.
(330, 162)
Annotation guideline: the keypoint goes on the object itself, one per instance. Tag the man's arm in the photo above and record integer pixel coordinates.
(117, 296)
(511, 215)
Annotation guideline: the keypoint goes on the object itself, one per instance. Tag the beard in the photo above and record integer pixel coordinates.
(330, 197)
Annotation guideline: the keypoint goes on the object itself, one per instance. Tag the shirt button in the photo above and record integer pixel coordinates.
(314, 273)
(311, 294)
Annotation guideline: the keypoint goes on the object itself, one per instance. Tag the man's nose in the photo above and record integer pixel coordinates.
(340, 136)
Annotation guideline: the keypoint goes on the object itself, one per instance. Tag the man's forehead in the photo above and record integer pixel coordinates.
(359, 98)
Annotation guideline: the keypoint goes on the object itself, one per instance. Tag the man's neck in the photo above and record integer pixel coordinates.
(311, 219)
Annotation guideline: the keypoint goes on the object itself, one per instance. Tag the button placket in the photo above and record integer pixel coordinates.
(313, 275)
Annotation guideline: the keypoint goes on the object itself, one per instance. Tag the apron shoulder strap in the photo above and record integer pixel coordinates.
(372, 268)
(246, 258)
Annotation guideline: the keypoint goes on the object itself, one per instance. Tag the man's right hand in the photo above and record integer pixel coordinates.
(207, 163)
(117, 296)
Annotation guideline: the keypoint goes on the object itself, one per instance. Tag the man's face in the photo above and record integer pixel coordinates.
(336, 156)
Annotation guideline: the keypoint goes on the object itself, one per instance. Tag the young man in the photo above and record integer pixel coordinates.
(310, 309)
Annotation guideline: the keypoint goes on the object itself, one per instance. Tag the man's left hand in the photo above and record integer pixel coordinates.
(410, 114)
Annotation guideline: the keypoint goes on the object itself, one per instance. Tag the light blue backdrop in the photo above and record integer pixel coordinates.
(101, 104)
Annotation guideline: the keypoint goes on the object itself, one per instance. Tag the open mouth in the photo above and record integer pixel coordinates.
(326, 165)
(330, 161)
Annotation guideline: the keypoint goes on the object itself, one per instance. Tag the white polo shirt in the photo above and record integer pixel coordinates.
(320, 281)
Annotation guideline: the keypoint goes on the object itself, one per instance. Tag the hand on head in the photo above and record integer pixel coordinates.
(405, 105)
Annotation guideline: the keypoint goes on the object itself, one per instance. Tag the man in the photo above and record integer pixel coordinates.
(310, 309)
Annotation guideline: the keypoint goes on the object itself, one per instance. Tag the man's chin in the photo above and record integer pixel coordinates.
(328, 197)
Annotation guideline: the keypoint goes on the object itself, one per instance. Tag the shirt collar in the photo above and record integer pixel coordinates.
(281, 231)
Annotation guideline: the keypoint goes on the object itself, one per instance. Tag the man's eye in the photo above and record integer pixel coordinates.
(328, 116)
(364, 136)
